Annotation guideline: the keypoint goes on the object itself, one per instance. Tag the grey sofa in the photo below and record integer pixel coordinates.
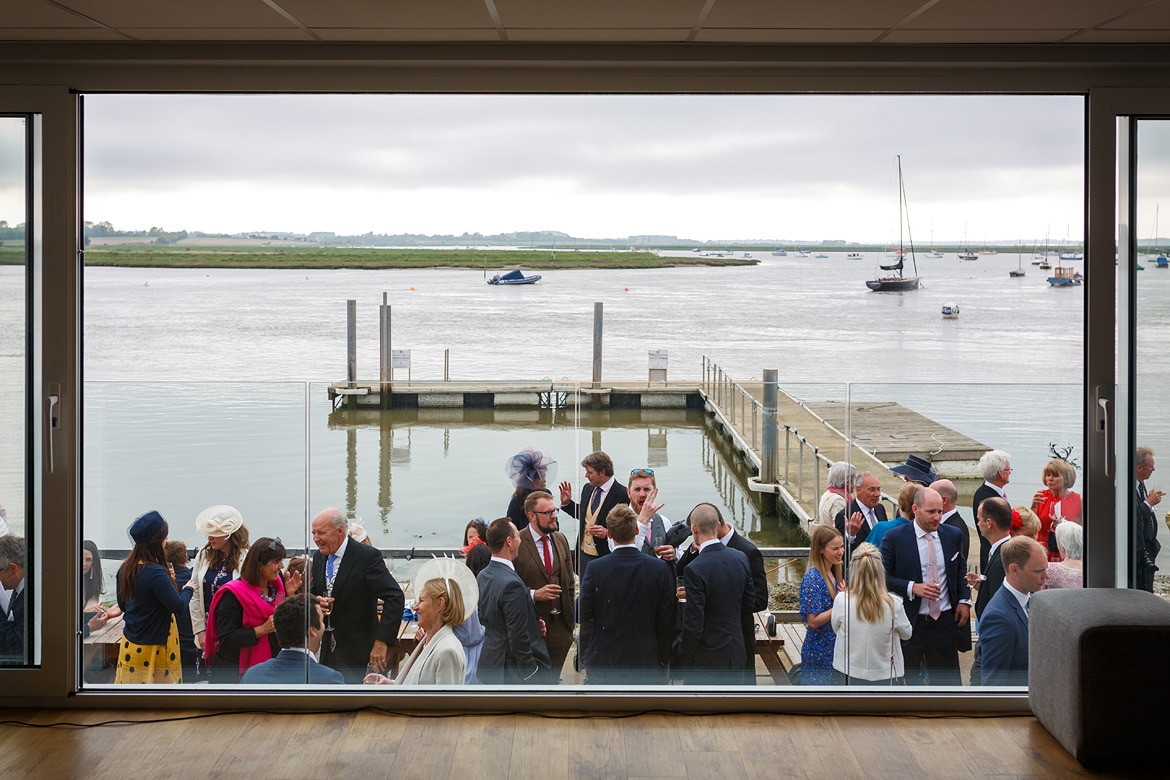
(1099, 674)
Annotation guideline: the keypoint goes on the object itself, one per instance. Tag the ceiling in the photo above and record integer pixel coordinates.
(835, 22)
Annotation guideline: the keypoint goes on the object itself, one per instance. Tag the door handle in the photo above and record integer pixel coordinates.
(1105, 425)
(54, 421)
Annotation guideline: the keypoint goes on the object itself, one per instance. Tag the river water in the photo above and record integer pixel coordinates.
(208, 386)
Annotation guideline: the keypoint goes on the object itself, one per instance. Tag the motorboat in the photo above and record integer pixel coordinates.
(514, 277)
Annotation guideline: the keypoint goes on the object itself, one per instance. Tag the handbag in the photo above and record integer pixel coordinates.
(894, 680)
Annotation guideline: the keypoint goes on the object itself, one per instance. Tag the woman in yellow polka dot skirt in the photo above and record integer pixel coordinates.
(148, 596)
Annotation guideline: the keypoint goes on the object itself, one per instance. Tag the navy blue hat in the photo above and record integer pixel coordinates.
(147, 527)
(916, 469)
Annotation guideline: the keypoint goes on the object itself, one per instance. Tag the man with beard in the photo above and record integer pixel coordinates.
(546, 566)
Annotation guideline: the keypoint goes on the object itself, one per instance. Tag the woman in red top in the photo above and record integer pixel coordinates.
(1056, 502)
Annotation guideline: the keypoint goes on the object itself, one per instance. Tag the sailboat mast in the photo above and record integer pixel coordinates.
(903, 205)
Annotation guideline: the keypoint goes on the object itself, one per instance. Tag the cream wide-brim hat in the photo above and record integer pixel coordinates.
(456, 571)
(219, 520)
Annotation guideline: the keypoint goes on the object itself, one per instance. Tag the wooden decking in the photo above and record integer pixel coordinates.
(198, 745)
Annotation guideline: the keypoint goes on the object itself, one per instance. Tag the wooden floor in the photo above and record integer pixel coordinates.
(370, 744)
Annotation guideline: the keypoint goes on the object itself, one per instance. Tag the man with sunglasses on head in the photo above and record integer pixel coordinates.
(654, 531)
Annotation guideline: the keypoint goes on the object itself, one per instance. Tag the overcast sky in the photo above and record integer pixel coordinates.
(794, 168)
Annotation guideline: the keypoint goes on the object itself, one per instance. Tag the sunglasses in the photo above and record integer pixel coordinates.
(275, 544)
(646, 472)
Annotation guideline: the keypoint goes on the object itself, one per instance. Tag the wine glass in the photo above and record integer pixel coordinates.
(555, 579)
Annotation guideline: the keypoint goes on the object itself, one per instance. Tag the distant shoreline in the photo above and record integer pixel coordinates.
(325, 258)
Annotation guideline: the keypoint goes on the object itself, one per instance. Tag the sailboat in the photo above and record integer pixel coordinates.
(899, 282)
(1018, 271)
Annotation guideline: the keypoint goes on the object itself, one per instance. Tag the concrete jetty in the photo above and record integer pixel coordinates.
(812, 435)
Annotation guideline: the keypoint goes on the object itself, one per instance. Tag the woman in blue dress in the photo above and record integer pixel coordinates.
(821, 584)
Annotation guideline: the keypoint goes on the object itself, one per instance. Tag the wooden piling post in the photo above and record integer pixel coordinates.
(384, 365)
(351, 351)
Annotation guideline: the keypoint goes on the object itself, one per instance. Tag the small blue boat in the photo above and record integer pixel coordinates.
(1162, 262)
(514, 277)
(1065, 277)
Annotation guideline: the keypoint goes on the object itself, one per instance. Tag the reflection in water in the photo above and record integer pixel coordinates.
(446, 461)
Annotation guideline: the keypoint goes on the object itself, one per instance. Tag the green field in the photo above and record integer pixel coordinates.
(301, 258)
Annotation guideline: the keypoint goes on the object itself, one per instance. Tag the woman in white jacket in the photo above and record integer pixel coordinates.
(870, 623)
(438, 658)
(218, 561)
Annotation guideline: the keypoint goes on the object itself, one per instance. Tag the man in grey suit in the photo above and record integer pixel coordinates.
(628, 610)
(1003, 626)
(513, 648)
(718, 585)
(297, 661)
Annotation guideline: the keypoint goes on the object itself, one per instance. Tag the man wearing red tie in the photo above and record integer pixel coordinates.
(600, 494)
(546, 566)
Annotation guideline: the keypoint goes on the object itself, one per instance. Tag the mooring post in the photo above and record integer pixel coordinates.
(384, 372)
(351, 351)
(770, 449)
(598, 307)
(447, 364)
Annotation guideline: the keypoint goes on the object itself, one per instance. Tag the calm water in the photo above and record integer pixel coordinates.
(243, 348)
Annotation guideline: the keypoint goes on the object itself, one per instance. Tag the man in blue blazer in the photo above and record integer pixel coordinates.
(1003, 626)
(627, 610)
(719, 591)
(924, 565)
(296, 663)
(513, 649)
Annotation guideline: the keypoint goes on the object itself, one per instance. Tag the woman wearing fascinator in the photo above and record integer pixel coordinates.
(529, 470)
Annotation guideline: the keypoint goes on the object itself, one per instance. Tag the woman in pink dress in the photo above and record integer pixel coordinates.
(1056, 502)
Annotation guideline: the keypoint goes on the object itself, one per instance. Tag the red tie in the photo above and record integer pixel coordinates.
(547, 554)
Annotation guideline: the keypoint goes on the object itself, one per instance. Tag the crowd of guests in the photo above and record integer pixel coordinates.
(884, 600)
(893, 600)
(658, 601)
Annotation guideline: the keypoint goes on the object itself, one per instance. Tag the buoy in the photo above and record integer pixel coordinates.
(627, 289)
(412, 288)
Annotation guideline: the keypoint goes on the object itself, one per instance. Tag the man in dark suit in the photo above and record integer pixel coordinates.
(12, 617)
(513, 650)
(352, 577)
(996, 468)
(759, 602)
(862, 513)
(718, 586)
(546, 566)
(924, 564)
(994, 521)
(1003, 626)
(600, 494)
(627, 611)
(995, 524)
(1145, 546)
(297, 660)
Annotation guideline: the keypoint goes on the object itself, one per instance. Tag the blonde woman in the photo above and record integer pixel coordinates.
(1056, 502)
(439, 658)
(822, 581)
(870, 623)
